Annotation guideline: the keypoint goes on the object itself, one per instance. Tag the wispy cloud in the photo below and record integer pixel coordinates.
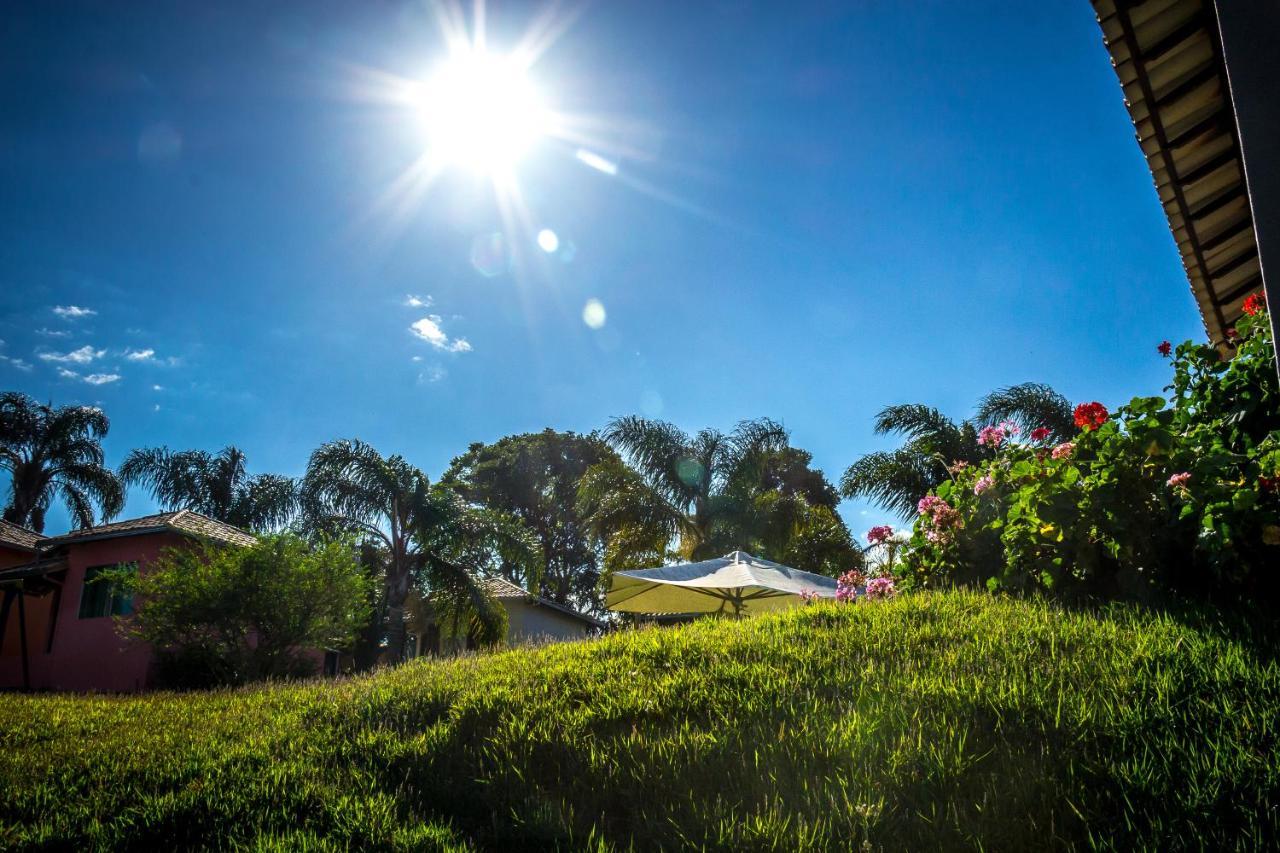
(418, 301)
(428, 329)
(73, 312)
(84, 355)
(53, 333)
(68, 374)
(102, 378)
(16, 363)
(140, 354)
(157, 387)
(432, 374)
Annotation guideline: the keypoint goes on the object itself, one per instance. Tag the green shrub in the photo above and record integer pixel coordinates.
(1165, 495)
(221, 615)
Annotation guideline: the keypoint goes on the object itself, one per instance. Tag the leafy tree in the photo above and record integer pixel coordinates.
(426, 536)
(55, 453)
(898, 479)
(216, 485)
(220, 615)
(535, 477)
(711, 493)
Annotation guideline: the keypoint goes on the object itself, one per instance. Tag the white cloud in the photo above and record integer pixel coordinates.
(18, 364)
(157, 387)
(53, 333)
(84, 355)
(68, 374)
(102, 378)
(413, 301)
(140, 354)
(432, 374)
(73, 312)
(428, 329)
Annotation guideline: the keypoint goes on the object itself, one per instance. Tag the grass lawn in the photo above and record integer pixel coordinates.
(936, 721)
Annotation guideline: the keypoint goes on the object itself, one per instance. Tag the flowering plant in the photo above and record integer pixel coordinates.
(847, 586)
(1090, 416)
(881, 587)
(1177, 493)
(880, 534)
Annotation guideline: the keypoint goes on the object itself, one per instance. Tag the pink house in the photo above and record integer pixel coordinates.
(56, 630)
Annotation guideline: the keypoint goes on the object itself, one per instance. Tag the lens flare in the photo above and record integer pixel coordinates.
(548, 241)
(593, 314)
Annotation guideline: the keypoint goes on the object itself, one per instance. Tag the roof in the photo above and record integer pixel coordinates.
(502, 588)
(185, 522)
(14, 536)
(1169, 58)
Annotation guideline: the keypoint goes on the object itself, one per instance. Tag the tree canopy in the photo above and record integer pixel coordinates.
(214, 484)
(693, 497)
(55, 454)
(534, 477)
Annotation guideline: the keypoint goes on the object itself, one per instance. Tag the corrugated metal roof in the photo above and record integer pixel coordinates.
(15, 536)
(1168, 56)
(183, 521)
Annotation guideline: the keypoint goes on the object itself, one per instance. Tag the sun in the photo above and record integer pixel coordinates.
(481, 111)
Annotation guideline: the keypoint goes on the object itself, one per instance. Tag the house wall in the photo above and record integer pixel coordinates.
(14, 556)
(529, 623)
(37, 614)
(86, 654)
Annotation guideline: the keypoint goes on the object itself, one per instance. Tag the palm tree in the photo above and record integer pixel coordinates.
(216, 485)
(428, 536)
(710, 493)
(680, 489)
(55, 453)
(1030, 405)
(897, 479)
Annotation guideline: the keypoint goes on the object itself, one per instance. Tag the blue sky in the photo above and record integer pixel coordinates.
(818, 210)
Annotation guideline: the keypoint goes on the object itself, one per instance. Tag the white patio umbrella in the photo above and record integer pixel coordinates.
(735, 583)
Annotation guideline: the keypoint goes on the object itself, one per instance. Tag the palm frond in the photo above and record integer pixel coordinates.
(1030, 405)
(655, 449)
(895, 480)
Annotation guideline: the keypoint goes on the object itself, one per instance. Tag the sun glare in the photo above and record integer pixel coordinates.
(481, 111)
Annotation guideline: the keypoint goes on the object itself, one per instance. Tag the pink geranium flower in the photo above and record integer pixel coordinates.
(879, 534)
(1062, 451)
(991, 436)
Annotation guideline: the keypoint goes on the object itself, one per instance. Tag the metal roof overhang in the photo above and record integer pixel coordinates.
(1168, 55)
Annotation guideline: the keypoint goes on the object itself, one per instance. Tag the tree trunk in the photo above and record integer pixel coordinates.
(397, 592)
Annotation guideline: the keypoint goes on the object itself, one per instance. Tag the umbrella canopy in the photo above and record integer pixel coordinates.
(734, 583)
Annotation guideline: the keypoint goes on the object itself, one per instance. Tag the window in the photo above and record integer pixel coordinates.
(101, 596)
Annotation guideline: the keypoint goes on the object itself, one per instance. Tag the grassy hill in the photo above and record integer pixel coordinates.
(938, 721)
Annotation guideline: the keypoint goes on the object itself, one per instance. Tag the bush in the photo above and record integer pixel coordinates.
(219, 615)
(1165, 495)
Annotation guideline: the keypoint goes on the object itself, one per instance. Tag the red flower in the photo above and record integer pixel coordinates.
(1232, 333)
(1165, 348)
(1090, 416)
(1269, 484)
(1255, 303)
(1040, 433)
